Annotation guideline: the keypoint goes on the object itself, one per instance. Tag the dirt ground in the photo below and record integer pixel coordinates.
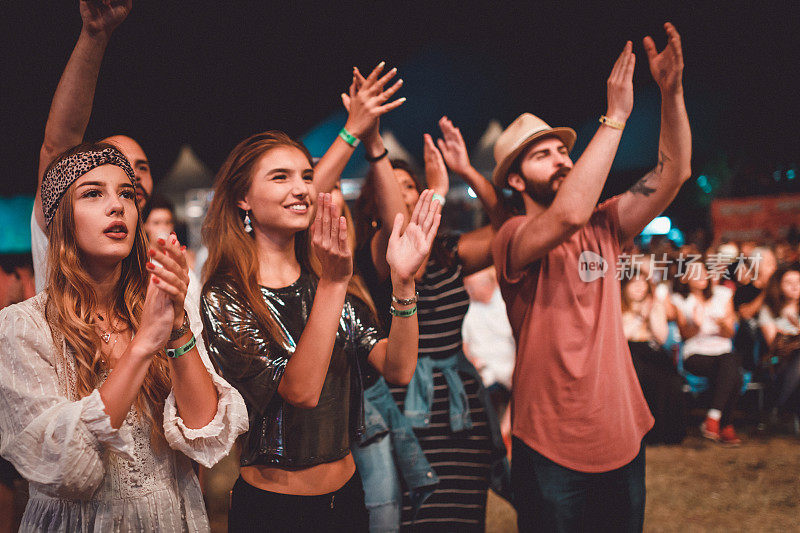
(701, 486)
(695, 486)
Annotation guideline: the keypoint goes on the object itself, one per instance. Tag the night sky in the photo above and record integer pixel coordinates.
(209, 74)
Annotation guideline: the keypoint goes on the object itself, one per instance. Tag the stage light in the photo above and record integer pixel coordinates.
(471, 193)
(658, 226)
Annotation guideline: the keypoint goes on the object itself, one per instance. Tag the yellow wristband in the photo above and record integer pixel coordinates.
(612, 123)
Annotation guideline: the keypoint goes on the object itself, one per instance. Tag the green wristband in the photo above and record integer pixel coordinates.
(438, 197)
(177, 352)
(402, 313)
(349, 138)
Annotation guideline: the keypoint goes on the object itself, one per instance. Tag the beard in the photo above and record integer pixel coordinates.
(545, 192)
(144, 197)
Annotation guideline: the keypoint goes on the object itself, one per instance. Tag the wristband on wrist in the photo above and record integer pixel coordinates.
(349, 138)
(402, 313)
(178, 333)
(439, 198)
(377, 157)
(405, 301)
(617, 125)
(174, 353)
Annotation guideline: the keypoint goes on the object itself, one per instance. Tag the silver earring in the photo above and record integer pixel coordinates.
(247, 227)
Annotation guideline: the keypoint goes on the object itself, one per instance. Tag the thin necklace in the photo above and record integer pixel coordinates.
(106, 335)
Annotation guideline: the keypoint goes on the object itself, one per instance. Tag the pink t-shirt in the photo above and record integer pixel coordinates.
(576, 399)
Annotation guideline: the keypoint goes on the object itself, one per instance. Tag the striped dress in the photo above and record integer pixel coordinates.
(461, 460)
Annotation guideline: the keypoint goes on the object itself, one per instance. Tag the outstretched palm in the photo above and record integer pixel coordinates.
(103, 16)
(667, 66)
(407, 252)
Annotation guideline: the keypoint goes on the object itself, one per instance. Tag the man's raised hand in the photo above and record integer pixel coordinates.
(101, 17)
(620, 85)
(666, 66)
(453, 148)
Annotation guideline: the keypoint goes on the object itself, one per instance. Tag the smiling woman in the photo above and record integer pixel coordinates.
(96, 415)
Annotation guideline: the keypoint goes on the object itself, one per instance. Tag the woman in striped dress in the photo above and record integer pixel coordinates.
(445, 402)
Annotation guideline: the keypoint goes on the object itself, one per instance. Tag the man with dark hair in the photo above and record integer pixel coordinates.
(578, 410)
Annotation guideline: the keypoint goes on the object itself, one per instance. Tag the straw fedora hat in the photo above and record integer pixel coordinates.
(525, 129)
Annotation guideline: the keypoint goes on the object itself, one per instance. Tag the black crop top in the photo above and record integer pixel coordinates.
(253, 361)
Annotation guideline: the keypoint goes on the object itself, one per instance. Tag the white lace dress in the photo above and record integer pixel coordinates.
(83, 474)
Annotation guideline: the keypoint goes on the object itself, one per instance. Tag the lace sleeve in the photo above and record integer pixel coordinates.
(209, 444)
(51, 440)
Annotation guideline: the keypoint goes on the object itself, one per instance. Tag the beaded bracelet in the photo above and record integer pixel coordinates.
(405, 301)
(177, 352)
(402, 313)
(439, 198)
(349, 138)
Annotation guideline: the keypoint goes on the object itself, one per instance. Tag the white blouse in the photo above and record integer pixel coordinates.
(83, 474)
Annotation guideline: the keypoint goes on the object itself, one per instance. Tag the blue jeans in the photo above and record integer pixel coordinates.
(390, 451)
(550, 497)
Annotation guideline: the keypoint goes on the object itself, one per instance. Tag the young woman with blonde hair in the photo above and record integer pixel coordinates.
(101, 376)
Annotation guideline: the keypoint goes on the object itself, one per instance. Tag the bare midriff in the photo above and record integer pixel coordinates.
(311, 481)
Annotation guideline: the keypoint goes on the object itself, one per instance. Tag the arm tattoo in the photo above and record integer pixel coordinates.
(641, 186)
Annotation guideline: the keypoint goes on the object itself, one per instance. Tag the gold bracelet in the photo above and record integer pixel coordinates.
(612, 123)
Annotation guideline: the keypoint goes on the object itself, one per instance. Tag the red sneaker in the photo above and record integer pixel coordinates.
(728, 436)
(710, 429)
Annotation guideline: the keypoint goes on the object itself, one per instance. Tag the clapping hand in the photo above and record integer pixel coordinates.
(620, 85)
(163, 309)
(101, 17)
(367, 100)
(666, 66)
(407, 252)
(329, 242)
(435, 170)
(453, 148)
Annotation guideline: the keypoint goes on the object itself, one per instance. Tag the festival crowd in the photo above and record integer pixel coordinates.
(371, 371)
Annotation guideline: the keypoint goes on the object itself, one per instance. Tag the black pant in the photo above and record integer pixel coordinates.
(726, 379)
(253, 509)
(550, 497)
(663, 390)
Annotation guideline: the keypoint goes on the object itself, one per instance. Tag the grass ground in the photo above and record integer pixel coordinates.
(701, 486)
(695, 486)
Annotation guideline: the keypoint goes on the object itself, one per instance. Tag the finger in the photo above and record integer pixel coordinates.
(166, 261)
(620, 62)
(176, 251)
(352, 89)
(650, 48)
(385, 108)
(344, 246)
(173, 292)
(447, 127)
(386, 77)
(346, 102)
(398, 224)
(629, 69)
(326, 220)
(422, 207)
(360, 80)
(167, 278)
(373, 76)
(437, 219)
(316, 227)
(334, 223)
(436, 207)
(388, 93)
(442, 146)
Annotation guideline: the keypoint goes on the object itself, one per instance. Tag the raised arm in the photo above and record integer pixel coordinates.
(396, 359)
(305, 371)
(654, 192)
(454, 152)
(365, 102)
(578, 194)
(72, 101)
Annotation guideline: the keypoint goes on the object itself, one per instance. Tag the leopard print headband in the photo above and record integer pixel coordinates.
(65, 172)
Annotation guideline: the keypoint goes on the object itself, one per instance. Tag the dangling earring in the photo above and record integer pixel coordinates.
(247, 227)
